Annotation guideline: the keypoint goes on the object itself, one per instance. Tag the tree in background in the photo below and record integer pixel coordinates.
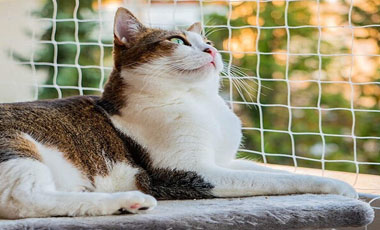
(305, 93)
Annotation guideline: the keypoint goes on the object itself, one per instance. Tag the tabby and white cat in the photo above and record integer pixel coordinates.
(160, 128)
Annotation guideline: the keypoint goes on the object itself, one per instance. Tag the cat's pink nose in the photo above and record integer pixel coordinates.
(211, 51)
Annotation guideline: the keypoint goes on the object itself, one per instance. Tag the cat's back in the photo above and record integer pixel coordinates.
(77, 127)
(43, 111)
(48, 110)
(55, 120)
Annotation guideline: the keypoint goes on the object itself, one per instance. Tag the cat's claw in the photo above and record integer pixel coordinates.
(134, 202)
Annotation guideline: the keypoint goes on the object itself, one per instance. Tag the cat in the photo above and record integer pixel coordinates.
(159, 131)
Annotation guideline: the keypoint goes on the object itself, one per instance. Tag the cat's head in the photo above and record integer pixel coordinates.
(174, 57)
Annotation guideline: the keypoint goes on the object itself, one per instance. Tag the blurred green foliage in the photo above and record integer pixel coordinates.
(303, 119)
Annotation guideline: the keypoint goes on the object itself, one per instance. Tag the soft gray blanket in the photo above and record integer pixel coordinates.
(264, 212)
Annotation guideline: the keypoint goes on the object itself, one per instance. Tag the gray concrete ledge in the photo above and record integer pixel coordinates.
(264, 212)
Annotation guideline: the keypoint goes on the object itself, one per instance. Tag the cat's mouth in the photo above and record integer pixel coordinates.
(198, 69)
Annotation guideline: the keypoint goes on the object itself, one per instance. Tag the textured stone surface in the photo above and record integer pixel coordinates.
(271, 212)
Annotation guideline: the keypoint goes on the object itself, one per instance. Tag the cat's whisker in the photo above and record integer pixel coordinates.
(237, 85)
(211, 31)
(245, 86)
(225, 61)
(210, 21)
(236, 68)
(209, 25)
(241, 75)
(240, 84)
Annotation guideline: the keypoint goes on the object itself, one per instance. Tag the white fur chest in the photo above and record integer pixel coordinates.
(181, 131)
(226, 127)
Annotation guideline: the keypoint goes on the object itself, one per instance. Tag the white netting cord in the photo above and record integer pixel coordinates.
(259, 88)
(101, 46)
(77, 54)
(320, 88)
(288, 87)
(54, 42)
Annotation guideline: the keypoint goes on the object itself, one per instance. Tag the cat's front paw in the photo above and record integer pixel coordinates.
(133, 202)
(339, 187)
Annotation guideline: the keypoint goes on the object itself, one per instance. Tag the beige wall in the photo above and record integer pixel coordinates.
(15, 80)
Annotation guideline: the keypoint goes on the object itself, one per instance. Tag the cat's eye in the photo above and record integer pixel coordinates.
(177, 41)
(209, 43)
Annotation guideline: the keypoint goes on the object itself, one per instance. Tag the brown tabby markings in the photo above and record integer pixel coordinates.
(114, 95)
(75, 126)
(13, 145)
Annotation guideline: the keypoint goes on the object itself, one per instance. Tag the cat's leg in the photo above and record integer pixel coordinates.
(229, 183)
(242, 164)
(27, 189)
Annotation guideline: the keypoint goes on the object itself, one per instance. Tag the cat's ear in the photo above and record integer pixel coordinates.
(196, 28)
(126, 27)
